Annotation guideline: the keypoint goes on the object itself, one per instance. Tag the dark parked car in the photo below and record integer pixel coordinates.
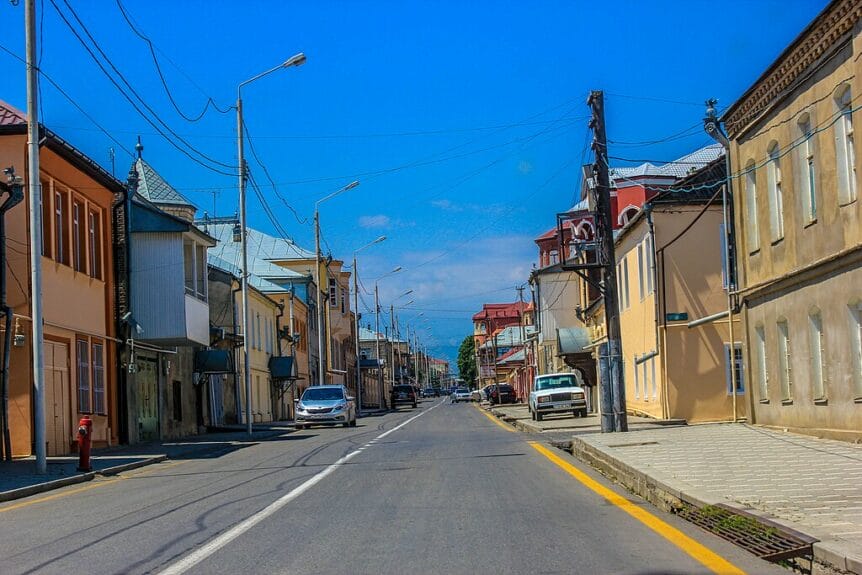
(430, 392)
(403, 394)
(502, 393)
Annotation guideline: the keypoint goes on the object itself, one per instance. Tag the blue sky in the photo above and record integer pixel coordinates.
(464, 122)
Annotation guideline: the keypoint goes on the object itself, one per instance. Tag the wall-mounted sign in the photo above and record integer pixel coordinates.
(676, 316)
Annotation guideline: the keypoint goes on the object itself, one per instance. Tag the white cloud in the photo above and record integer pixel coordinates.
(446, 205)
(378, 221)
(525, 167)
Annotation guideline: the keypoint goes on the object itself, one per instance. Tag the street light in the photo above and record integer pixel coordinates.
(296, 60)
(321, 333)
(377, 331)
(393, 327)
(356, 321)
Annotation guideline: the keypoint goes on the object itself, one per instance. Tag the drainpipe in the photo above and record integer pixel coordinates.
(278, 317)
(15, 188)
(657, 350)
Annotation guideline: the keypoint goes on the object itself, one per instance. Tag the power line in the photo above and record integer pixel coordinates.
(149, 43)
(72, 101)
(187, 153)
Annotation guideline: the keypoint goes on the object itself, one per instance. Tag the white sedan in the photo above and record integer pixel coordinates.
(461, 394)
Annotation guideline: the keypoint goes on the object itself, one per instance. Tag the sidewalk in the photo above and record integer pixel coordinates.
(518, 415)
(812, 486)
(18, 478)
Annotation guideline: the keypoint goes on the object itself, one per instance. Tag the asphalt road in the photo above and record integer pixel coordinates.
(439, 489)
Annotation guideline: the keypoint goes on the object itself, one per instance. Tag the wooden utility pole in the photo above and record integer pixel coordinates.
(610, 353)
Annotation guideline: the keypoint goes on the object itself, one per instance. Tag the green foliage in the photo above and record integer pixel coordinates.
(467, 360)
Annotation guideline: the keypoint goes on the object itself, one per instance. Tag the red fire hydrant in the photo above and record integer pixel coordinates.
(85, 431)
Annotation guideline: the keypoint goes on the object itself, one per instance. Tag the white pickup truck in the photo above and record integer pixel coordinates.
(557, 393)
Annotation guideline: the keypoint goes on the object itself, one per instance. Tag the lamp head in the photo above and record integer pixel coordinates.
(351, 185)
(378, 240)
(296, 60)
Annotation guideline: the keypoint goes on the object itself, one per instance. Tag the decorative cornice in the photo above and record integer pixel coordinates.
(815, 41)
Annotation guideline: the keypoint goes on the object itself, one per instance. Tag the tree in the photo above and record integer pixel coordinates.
(467, 360)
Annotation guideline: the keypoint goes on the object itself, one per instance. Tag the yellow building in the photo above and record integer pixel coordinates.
(798, 219)
(670, 273)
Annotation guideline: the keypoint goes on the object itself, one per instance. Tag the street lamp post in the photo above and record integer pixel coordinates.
(392, 326)
(321, 311)
(297, 60)
(356, 322)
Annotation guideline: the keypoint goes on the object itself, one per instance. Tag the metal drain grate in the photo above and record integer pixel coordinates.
(761, 537)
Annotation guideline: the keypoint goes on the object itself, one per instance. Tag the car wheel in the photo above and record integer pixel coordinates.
(540, 416)
(414, 406)
(299, 426)
(353, 422)
(583, 412)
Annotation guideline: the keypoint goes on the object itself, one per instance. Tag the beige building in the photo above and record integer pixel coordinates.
(670, 272)
(796, 185)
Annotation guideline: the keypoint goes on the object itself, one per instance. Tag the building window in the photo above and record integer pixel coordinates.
(177, 400)
(82, 357)
(61, 248)
(654, 384)
(641, 273)
(752, 230)
(649, 256)
(815, 327)
(845, 149)
(762, 373)
(637, 378)
(189, 266)
(856, 341)
(333, 293)
(46, 219)
(776, 198)
(201, 272)
(343, 301)
(79, 239)
(808, 176)
(99, 379)
(95, 233)
(736, 364)
(645, 379)
(555, 257)
(785, 365)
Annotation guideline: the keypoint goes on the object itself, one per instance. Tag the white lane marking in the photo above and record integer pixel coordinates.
(225, 538)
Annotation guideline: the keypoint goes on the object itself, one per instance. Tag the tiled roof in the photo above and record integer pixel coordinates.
(153, 187)
(10, 115)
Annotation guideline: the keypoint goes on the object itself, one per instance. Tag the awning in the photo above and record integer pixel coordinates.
(572, 340)
(283, 367)
(369, 364)
(213, 361)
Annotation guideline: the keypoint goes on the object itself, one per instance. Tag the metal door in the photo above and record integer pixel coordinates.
(147, 380)
(58, 434)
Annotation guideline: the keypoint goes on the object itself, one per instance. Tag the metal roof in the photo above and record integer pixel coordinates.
(678, 168)
(154, 188)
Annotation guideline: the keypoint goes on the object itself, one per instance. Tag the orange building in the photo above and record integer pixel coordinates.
(77, 292)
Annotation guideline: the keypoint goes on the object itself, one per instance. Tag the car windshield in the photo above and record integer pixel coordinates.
(556, 381)
(322, 394)
(462, 390)
(403, 388)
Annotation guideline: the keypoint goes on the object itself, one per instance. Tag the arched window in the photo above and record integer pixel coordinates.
(807, 176)
(776, 195)
(627, 215)
(845, 150)
(752, 229)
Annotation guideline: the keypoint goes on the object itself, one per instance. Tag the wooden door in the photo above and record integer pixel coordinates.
(58, 429)
(147, 379)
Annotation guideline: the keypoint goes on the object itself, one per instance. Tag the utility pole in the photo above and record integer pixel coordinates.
(356, 332)
(392, 345)
(610, 354)
(321, 302)
(382, 404)
(527, 386)
(35, 191)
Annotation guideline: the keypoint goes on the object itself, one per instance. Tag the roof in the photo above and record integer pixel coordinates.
(154, 188)
(262, 285)
(500, 310)
(510, 336)
(14, 121)
(263, 245)
(259, 260)
(678, 168)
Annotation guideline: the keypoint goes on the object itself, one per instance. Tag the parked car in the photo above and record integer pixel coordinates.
(430, 392)
(477, 395)
(557, 393)
(325, 404)
(461, 394)
(503, 393)
(402, 394)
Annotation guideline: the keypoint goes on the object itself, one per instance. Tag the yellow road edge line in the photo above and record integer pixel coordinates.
(697, 551)
(92, 484)
(494, 418)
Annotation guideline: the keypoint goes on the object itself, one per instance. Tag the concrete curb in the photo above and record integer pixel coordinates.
(46, 486)
(658, 490)
(108, 471)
